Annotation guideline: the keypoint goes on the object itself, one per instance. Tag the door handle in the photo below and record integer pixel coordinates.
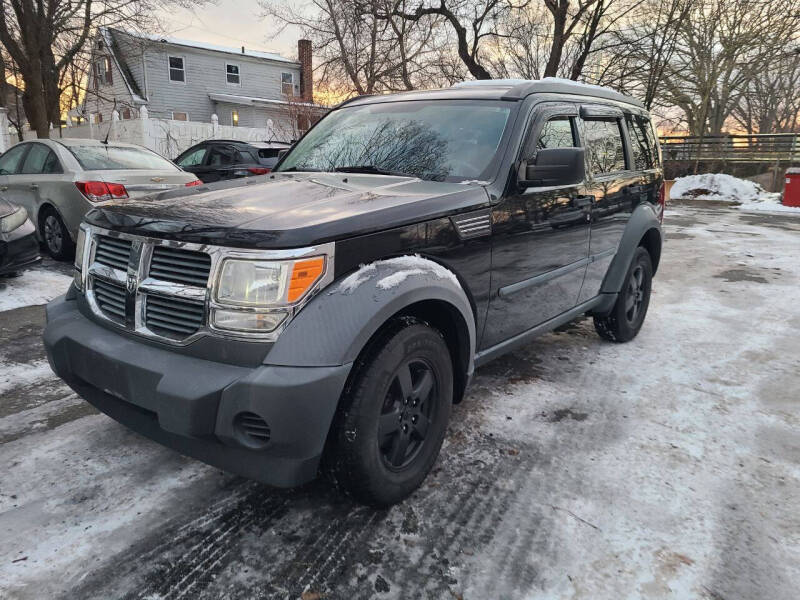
(634, 189)
(34, 186)
(582, 201)
(4, 188)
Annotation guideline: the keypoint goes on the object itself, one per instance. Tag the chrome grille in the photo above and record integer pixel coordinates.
(171, 317)
(180, 266)
(110, 298)
(112, 252)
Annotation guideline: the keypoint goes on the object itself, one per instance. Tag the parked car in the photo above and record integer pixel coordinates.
(18, 245)
(58, 180)
(330, 315)
(220, 160)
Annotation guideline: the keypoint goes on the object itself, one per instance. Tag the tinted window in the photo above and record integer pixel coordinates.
(176, 70)
(104, 157)
(220, 156)
(643, 142)
(9, 162)
(440, 140)
(269, 152)
(605, 147)
(40, 159)
(193, 158)
(556, 133)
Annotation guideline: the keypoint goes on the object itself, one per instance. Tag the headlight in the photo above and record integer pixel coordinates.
(250, 294)
(16, 219)
(80, 244)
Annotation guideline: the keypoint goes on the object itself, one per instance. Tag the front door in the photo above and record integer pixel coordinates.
(540, 238)
(10, 188)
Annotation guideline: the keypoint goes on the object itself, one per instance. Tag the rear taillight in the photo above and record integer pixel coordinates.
(259, 170)
(194, 183)
(662, 201)
(99, 191)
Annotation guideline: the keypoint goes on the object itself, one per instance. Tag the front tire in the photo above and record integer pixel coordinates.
(630, 309)
(393, 417)
(55, 235)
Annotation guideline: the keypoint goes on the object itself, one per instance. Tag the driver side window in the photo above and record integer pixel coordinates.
(558, 132)
(10, 161)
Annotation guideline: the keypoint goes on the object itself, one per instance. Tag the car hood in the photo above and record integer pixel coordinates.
(286, 210)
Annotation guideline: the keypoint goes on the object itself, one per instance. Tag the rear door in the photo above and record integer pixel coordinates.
(614, 184)
(220, 163)
(540, 238)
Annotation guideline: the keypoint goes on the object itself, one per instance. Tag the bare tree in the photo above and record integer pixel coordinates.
(721, 47)
(45, 37)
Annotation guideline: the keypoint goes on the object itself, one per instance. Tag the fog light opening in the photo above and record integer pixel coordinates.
(251, 429)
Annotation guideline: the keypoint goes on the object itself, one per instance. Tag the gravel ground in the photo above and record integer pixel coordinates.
(668, 467)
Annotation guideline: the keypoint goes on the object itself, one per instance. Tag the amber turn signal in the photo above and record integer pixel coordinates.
(305, 274)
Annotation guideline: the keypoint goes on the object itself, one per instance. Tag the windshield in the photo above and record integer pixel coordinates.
(104, 158)
(437, 140)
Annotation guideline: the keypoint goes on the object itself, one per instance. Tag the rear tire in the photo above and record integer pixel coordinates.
(625, 320)
(393, 416)
(55, 235)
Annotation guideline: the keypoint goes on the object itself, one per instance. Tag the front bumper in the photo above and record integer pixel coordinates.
(195, 405)
(19, 248)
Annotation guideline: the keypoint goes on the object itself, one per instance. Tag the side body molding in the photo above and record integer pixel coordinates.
(334, 327)
(642, 220)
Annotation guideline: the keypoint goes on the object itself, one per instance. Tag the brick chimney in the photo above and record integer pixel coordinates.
(306, 75)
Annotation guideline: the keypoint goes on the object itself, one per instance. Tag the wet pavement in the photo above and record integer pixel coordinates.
(668, 467)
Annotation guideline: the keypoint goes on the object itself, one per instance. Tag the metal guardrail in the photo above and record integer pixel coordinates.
(773, 148)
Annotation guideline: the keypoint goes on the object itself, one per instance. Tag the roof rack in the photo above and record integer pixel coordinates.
(520, 88)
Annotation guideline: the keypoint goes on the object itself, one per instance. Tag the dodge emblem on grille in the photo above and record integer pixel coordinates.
(131, 283)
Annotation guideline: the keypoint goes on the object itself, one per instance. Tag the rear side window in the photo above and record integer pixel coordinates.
(221, 156)
(40, 160)
(103, 157)
(643, 142)
(605, 146)
(9, 162)
(268, 152)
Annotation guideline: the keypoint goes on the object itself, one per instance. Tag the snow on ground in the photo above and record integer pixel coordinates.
(768, 203)
(34, 286)
(668, 467)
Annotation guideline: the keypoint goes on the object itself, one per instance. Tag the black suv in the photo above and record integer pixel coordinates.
(328, 316)
(219, 160)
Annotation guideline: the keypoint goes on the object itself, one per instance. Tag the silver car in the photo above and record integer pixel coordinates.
(59, 180)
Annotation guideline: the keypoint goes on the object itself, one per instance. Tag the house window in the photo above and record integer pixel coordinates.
(235, 118)
(180, 116)
(287, 84)
(98, 118)
(177, 71)
(126, 114)
(102, 71)
(232, 74)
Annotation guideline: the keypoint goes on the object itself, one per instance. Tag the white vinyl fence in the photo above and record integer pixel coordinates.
(165, 136)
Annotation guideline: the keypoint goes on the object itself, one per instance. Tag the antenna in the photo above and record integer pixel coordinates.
(108, 132)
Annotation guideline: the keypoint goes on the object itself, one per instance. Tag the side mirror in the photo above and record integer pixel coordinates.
(282, 153)
(553, 167)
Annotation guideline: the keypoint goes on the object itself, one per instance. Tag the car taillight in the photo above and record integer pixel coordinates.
(99, 191)
(259, 170)
(662, 201)
(194, 183)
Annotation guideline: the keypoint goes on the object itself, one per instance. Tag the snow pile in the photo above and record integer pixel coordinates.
(32, 287)
(719, 187)
(768, 203)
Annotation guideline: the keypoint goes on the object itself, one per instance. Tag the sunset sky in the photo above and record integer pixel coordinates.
(231, 23)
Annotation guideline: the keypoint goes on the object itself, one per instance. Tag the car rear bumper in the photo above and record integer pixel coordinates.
(18, 248)
(197, 406)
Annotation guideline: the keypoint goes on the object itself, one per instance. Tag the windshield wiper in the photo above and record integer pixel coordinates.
(370, 170)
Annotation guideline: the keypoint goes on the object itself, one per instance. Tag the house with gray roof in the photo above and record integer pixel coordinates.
(191, 81)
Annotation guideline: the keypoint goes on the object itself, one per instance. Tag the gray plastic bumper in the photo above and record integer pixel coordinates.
(194, 405)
